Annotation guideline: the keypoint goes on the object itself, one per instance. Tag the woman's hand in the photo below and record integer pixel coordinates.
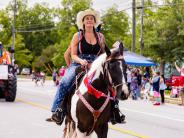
(84, 62)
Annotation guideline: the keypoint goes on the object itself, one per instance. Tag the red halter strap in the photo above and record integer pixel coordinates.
(91, 90)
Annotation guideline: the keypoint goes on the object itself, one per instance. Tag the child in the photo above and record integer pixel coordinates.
(146, 88)
(174, 92)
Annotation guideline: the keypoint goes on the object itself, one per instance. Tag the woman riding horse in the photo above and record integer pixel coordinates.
(86, 45)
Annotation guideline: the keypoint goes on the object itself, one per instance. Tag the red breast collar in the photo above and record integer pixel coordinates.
(92, 90)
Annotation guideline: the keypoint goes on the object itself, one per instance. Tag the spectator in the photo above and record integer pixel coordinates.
(162, 88)
(61, 71)
(181, 93)
(139, 82)
(54, 77)
(129, 77)
(134, 86)
(147, 72)
(146, 87)
(156, 86)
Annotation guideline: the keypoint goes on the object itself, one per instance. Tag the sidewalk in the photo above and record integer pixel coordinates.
(168, 99)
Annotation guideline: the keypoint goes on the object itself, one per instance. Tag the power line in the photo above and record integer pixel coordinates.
(160, 5)
(34, 26)
(38, 30)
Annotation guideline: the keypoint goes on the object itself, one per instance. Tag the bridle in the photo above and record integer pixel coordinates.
(111, 86)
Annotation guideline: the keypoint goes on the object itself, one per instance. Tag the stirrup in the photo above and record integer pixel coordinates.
(58, 116)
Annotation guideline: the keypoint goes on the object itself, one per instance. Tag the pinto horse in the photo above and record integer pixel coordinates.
(91, 102)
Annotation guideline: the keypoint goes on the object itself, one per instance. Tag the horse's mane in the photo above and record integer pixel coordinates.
(97, 63)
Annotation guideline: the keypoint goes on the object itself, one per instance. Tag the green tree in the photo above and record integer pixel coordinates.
(115, 26)
(44, 61)
(35, 24)
(163, 33)
(5, 27)
(22, 55)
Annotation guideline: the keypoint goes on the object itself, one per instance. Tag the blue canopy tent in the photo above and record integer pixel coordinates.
(137, 60)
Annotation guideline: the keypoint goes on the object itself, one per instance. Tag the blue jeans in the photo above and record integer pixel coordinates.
(67, 80)
(64, 85)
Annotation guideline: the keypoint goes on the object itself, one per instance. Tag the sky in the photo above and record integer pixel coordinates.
(99, 5)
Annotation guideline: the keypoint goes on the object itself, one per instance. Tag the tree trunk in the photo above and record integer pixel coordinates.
(162, 66)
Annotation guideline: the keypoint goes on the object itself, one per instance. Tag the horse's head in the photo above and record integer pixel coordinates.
(115, 70)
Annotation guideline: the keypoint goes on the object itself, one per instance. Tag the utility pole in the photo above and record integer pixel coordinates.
(142, 28)
(133, 25)
(13, 29)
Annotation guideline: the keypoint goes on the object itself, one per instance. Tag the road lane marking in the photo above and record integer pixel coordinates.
(33, 104)
(155, 115)
(128, 132)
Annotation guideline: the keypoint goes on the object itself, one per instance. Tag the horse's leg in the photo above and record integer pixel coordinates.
(102, 131)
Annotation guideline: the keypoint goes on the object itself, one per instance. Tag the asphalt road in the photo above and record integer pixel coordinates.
(25, 118)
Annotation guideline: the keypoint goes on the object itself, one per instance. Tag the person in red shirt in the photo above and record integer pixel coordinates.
(61, 71)
(181, 83)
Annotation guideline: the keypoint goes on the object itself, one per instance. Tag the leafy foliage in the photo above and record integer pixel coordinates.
(43, 34)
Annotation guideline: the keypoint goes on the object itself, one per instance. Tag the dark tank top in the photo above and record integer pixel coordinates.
(86, 48)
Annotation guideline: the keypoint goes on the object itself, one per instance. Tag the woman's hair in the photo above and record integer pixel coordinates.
(163, 77)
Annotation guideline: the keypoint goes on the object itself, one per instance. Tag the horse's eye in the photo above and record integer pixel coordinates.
(112, 62)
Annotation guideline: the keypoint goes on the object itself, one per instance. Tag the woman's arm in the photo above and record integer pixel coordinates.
(74, 45)
(177, 68)
(67, 56)
(154, 73)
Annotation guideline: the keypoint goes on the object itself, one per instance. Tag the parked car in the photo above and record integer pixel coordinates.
(26, 71)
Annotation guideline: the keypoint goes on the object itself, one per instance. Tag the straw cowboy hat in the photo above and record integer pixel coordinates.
(82, 14)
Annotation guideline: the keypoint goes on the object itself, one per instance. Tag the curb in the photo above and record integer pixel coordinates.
(169, 100)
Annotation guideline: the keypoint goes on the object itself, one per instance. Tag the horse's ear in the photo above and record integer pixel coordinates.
(107, 51)
(121, 48)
